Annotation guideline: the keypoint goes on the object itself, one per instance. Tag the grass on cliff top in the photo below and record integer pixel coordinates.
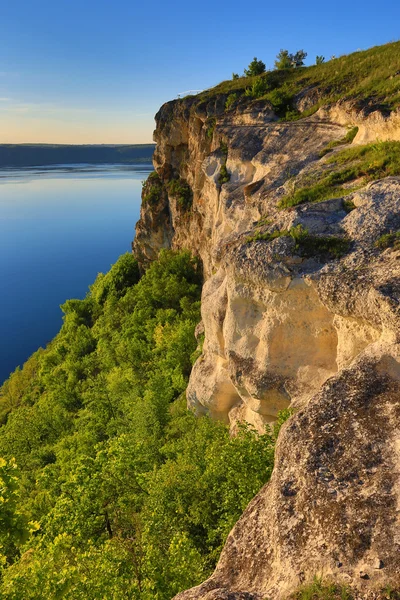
(369, 162)
(307, 244)
(370, 76)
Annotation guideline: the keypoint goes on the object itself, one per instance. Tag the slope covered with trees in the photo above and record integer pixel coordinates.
(110, 487)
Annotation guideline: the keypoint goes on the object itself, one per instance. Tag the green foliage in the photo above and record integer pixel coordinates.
(320, 590)
(347, 139)
(256, 67)
(259, 88)
(307, 244)
(368, 77)
(230, 101)
(281, 101)
(348, 205)
(210, 127)
(134, 494)
(388, 240)
(286, 60)
(14, 526)
(123, 274)
(180, 190)
(319, 60)
(224, 176)
(329, 246)
(235, 75)
(267, 236)
(366, 163)
(152, 189)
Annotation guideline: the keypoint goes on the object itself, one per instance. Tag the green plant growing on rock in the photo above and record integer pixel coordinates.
(282, 102)
(347, 139)
(210, 127)
(388, 240)
(320, 590)
(368, 163)
(180, 190)
(319, 245)
(224, 175)
(152, 189)
(259, 88)
(230, 101)
(307, 244)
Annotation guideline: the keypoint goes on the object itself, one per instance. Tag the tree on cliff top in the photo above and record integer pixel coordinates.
(285, 60)
(256, 67)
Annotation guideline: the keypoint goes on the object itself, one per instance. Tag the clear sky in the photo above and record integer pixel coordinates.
(96, 71)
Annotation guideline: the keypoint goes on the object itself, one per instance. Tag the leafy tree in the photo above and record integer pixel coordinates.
(134, 495)
(256, 67)
(285, 60)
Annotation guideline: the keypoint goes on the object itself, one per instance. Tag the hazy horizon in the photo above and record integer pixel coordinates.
(86, 73)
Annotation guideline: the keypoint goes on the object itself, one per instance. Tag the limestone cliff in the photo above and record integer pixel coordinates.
(300, 308)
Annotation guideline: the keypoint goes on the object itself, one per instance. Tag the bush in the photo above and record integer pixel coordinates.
(256, 67)
(285, 60)
(180, 190)
(259, 88)
(152, 189)
(230, 101)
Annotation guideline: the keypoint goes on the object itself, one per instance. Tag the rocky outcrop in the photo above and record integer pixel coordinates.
(300, 309)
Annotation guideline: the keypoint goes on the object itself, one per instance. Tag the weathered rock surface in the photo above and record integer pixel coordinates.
(284, 327)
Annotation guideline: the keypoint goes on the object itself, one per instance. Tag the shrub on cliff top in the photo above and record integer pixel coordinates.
(256, 67)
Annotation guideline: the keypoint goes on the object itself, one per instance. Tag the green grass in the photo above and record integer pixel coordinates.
(347, 139)
(388, 240)
(267, 237)
(367, 76)
(369, 162)
(307, 244)
(319, 590)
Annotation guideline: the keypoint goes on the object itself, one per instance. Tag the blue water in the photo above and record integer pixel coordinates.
(59, 227)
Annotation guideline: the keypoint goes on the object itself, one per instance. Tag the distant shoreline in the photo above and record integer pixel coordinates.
(36, 155)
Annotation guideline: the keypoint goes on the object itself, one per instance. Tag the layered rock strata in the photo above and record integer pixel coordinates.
(288, 324)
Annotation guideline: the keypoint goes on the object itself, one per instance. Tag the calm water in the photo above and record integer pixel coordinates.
(59, 227)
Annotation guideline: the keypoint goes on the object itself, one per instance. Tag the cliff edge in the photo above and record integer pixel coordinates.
(297, 225)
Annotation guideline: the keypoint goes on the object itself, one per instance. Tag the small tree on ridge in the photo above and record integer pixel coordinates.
(256, 67)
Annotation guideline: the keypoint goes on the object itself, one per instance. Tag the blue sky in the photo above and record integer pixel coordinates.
(85, 71)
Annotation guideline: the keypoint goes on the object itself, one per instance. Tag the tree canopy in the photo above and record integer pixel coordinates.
(120, 491)
(286, 60)
(256, 67)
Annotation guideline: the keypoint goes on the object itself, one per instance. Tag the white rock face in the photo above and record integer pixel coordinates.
(289, 325)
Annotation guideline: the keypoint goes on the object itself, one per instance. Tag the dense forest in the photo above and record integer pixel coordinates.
(31, 155)
(110, 487)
